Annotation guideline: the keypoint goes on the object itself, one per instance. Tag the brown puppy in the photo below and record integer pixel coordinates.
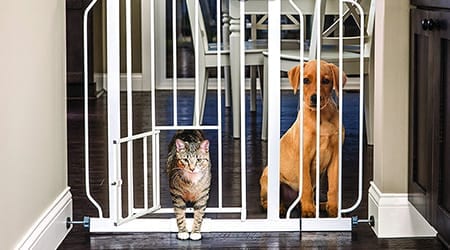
(329, 139)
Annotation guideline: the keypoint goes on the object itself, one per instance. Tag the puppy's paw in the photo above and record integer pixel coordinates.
(282, 210)
(308, 210)
(264, 203)
(195, 236)
(183, 235)
(332, 209)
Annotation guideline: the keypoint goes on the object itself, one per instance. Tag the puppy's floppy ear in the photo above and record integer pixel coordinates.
(335, 71)
(294, 77)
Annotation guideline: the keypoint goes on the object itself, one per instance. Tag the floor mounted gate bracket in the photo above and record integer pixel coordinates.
(86, 222)
(356, 221)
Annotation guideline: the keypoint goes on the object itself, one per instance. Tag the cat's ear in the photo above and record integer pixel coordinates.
(180, 144)
(204, 145)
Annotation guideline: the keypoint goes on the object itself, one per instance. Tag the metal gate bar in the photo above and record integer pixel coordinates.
(318, 110)
(86, 110)
(300, 100)
(361, 100)
(243, 132)
(273, 136)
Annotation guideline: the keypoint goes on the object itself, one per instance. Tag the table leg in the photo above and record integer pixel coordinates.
(226, 45)
(234, 65)
(265, 101)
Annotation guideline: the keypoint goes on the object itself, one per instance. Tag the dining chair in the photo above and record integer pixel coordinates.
(208, 57)
(290, 58)
(208, 52)
(259, 23)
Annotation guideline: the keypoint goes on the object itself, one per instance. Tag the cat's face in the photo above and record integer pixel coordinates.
(192, 157)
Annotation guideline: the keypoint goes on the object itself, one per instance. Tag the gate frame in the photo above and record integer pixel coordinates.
(273, 222)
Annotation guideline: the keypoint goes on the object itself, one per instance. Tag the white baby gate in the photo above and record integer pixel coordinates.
(132, 220)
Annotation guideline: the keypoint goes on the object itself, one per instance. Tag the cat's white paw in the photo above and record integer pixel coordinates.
(196, 236)
(183, 235)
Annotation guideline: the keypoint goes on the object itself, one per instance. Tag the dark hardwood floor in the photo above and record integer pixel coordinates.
(361, 237)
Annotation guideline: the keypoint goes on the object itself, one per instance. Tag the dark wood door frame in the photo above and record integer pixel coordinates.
(429, 161)
(441, 188)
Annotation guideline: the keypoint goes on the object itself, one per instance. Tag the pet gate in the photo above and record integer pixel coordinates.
(135, 201)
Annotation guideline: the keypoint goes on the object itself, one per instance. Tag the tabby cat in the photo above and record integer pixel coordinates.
(189, 172)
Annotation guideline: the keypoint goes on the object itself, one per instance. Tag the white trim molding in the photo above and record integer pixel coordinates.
(50, 229)
(395, 216)
(136, 78)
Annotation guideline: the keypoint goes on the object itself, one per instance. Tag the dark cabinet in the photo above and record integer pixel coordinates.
(431, 3)
(429, 124)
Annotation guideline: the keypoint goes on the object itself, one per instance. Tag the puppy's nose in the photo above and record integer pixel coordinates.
(314, 100)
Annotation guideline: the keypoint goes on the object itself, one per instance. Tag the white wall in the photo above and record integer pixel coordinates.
(388, 193)
(391, 96)
(33, 157)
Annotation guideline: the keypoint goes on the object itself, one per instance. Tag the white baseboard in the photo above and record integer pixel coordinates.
(50, 229)
(395, 217)
(136, 78)
(188, 83)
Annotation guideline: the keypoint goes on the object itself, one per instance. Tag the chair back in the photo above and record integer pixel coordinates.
(370, 27)
(203, 36)
(369, 12)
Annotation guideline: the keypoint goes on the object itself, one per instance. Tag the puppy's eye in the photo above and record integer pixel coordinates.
(325, 81)
(306, 80)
